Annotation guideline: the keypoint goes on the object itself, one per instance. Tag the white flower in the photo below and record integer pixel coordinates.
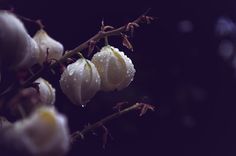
(80, 81)
(47, 44)
(44, 133)
(46, 91)
(14, 40)
(32, 54)
(115, 68)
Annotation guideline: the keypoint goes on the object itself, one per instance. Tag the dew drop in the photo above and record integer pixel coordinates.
(71, 72)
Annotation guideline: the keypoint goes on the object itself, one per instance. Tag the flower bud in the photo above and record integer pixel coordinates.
(80, 81)
(32, 98)
(47, 44)
(44, 133)
(13, 40)
(46, 91)
(115, 68)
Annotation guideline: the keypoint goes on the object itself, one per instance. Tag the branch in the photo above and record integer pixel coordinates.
(138, 106)
(101, 34)
(97, 37)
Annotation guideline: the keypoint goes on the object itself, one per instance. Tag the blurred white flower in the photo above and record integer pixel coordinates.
(47, 44)
(226, 49)
(80, 81)
(44, 133)
(115, 68)
(225, 26)
(46, 91)
(32, 98)
(15, 43)
(32, 54)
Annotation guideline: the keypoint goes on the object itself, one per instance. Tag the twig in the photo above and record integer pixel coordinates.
(101, 34)
(95, 38)
(80, 134)
(37, 22)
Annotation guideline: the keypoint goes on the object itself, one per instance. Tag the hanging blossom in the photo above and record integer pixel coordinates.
(115, 68)
(49, 48)
(18, 49)
(44, 133)
(46, 91)
(80, 81)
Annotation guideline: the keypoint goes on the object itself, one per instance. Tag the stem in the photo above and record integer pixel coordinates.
(38, 22)
(106, 41)
(80, 134)
(97, 37)
(84, 45)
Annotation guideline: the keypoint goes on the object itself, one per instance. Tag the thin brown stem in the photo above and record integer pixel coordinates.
(100, 35)
(37, 22)
(80, 134)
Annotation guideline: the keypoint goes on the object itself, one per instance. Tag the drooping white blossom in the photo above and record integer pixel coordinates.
(46, 91)
(16, 46)
(48, 45)
(115, 68)
(80, 81)
(32, 54)
(44, 133)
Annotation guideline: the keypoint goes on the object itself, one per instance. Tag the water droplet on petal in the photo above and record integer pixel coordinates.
(71, 73)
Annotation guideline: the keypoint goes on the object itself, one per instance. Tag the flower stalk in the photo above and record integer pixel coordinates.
(137, 106)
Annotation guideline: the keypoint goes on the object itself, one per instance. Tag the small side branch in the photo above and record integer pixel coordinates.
(80, 134)
(97, 37)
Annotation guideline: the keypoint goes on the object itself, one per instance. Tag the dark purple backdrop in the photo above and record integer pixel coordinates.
(178, 70)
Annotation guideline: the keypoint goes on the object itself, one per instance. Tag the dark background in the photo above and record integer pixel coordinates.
(180, 72)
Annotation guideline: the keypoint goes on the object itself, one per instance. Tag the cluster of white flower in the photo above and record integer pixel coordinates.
(110, 69)
(19, 50)
(45, 132)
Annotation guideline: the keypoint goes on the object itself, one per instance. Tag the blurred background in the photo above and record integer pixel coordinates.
(185, 66)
